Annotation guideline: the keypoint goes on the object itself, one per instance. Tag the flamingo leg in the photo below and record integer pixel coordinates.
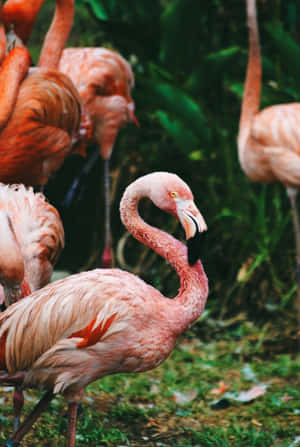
(107, 253)
(292, 194)
(18, 401)
(72, 418)
(29, 421)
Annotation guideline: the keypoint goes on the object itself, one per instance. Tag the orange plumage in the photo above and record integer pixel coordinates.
(41, 114)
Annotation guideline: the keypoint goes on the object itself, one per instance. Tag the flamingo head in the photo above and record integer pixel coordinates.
(171, 194)
(109, 115)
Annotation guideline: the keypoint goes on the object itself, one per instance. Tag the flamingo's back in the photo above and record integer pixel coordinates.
(38, 136)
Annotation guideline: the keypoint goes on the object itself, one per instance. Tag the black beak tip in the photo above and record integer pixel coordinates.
(193, 245)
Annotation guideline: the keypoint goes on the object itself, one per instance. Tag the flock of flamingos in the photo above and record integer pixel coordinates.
(62, 336)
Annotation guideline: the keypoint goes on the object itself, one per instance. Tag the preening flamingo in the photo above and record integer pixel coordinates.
(32, 237)
(40, 115)
(269, 140)
(107, 321)
(104, 80)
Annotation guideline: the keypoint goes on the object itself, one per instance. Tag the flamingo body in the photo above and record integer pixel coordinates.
(104, 80)
(39, 133)
(40, 110)
(272, 148)
(111, 330)
(269, 140)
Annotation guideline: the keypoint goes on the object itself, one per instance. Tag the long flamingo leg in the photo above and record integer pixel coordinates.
(292, 194)
(29, 421)
(72, 418)
(18, 401)
(107, 253)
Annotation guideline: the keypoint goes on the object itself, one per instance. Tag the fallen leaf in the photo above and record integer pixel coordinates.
(286, 398)
(222, 388)
(247, 396)
(184, 398)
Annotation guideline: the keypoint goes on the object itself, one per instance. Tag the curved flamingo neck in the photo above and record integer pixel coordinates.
(58, 34)
(252, 89)
(12, 73)
(193, 281)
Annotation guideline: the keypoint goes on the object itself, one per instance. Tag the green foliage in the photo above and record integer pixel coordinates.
(145, 409)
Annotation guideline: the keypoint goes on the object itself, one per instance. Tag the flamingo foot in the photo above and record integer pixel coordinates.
(106, 260)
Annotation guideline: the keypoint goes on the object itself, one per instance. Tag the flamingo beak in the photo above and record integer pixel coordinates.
(193, 223)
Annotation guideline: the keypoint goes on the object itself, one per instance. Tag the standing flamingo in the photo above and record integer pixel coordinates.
(269, 140)
(107, 321)
(32, 237)
(104, 80)
(40, 115)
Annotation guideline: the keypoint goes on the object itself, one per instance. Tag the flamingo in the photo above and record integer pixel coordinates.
(268, 140)
(106, 321)
(104, 80)
(40, 108)
(32, 240)
(32, 237)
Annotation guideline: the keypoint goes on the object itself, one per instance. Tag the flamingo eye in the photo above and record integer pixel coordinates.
(173, 194)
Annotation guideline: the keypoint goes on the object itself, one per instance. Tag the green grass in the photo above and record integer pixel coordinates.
(143, 409)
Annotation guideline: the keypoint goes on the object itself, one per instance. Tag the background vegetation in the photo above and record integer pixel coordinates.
(189, 58)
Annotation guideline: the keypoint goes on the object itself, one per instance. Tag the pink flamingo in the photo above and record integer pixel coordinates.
(32, 237)
(269, 140)
(106, 321)
(32, 240)
(104, 80)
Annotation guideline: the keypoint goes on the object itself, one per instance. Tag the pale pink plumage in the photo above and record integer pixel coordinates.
(104, 80)
(32, 238)
(269, 140)
(102, 322)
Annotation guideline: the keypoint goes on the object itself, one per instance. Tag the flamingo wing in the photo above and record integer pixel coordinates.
(279, 126)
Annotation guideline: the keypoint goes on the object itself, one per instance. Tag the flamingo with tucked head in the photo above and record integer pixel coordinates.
(107, 321)
(104, 80)
(32, 238)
